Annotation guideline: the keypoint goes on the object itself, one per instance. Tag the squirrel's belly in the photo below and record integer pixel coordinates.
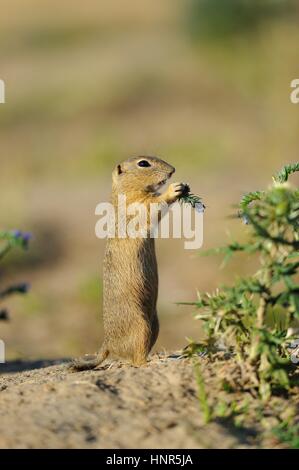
(130, 290)
(130, 277)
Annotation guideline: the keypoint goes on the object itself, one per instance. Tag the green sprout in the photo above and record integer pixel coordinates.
(188, 198)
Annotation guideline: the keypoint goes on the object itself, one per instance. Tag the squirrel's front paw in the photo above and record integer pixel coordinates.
(175, 190)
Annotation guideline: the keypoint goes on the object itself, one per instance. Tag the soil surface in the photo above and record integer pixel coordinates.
(44, 405)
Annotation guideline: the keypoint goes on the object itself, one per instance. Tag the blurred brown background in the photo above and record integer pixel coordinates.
(89, 84)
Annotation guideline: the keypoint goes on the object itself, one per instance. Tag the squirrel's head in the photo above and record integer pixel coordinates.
(141, 174)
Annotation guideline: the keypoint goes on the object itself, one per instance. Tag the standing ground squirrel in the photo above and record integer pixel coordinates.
(130, 278)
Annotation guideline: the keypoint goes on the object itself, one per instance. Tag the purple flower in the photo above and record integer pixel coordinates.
(16, 233)
(24, 236)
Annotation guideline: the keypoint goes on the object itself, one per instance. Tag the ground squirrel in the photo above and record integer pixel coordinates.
(130, 277)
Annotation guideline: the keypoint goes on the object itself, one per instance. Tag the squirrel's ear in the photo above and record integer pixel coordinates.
(116, 172)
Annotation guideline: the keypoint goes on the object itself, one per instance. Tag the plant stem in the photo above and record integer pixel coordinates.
(261, 312)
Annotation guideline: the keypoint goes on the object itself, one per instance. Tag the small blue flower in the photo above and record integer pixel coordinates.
(16, 233)
(243, 217)
(24, 236)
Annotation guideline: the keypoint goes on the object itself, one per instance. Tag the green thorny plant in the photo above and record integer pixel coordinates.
(8, 242)
(188, 198)
(238, 318)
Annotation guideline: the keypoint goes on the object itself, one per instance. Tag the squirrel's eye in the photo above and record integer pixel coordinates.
(144, 163)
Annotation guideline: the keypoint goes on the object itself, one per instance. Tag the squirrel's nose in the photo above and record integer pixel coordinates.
(171, 172)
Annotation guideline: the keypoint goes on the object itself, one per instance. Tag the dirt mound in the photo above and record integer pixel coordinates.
(118, 406)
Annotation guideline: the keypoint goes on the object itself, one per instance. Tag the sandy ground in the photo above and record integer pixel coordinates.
(119, 406)
(44, 405)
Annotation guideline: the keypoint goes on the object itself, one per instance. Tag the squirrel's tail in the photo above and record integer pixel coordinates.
(88, 364)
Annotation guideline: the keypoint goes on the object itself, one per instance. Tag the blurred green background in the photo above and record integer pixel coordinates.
(204, 84)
